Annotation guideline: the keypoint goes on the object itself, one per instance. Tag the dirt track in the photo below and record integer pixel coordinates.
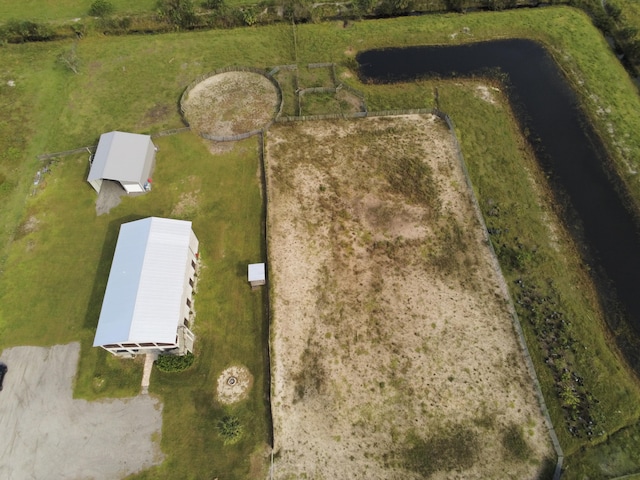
(45, 433)
(394, 356)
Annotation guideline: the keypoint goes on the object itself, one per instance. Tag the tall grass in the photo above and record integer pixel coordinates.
(63, 10)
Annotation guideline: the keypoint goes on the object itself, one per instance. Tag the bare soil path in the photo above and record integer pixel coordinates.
(394, 356)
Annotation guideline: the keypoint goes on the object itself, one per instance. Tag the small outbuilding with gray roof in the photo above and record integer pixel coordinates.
(126, 158)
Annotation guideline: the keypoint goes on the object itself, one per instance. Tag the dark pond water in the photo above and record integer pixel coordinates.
(565, 144)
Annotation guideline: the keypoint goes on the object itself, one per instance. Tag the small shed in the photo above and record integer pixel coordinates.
(256, 274)
(126, 158)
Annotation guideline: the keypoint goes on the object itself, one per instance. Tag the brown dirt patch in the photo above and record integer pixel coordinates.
(234, 384)
(487, 93)
(231, 103)
(393, 355)
(30, 225)
(187, 206)
(219, 148)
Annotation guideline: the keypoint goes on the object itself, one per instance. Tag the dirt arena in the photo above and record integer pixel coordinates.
(231, 103)
(393, 353)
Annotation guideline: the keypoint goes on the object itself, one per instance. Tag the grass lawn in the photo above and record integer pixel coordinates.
(133, 84)
(47, 304)
(62, 10)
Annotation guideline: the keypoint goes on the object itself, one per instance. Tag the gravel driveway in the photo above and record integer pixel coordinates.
(45, 433)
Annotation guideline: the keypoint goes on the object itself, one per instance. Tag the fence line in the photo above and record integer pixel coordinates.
(232, 138)
(266, 300)
(304, 91)
(320, 65)
(341, 116)
(47, 156)
(92, 148)
(355, 92)
(173, 131)
(277, 68)
(515, 320)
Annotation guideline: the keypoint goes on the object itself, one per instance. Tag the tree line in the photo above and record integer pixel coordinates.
(171, 15)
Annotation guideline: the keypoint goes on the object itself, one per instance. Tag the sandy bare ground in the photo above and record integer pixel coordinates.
(394, 356)
(45, 433)
(231, 103)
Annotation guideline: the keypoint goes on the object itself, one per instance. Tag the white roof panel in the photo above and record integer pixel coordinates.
(143, 299)
(122, 156)
(256, 272)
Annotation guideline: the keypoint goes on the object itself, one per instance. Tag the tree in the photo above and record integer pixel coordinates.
(180, 13)
(101, 8)
(613, 10)
(627, 33)
(297, 10)
(365, 7)
(214, 4)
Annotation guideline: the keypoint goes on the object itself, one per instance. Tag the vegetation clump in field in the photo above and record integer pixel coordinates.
(174, 363)
(456, 445)
(230, 429)
(101, 8)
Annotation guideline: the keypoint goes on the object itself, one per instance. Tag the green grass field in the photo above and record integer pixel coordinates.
(134, 83)
(221, 196)
(64, 10)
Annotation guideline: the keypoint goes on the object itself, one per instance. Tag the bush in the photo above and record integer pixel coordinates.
(230, 429)
(180, 13)
(174, 363)
(20, 31)
(116, 26)
(213, 4)
(101, 8)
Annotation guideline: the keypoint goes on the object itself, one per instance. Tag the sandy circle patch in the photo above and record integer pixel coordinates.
(231, 103)
(234, 384)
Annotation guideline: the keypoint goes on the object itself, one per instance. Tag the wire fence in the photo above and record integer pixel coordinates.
(88, 149)
(91, 149)
(515, 320)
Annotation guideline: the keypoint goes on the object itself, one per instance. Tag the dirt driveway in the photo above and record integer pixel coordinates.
(45, 433)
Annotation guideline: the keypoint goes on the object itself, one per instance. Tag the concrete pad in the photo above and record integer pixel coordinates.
(146, 372)
(45, 433)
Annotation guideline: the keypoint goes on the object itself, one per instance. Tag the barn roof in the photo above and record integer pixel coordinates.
(143, 299)
(121, 156)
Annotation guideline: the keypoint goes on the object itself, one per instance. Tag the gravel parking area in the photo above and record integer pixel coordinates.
(45, 433)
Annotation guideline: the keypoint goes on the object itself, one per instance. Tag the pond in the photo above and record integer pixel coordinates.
(566, 146)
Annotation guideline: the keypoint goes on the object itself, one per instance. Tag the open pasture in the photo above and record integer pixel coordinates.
(50, 293)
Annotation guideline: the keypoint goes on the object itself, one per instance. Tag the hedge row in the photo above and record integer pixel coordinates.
(171, 15)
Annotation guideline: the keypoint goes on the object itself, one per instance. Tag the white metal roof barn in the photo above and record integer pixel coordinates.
(147, 305)
(126, 158)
